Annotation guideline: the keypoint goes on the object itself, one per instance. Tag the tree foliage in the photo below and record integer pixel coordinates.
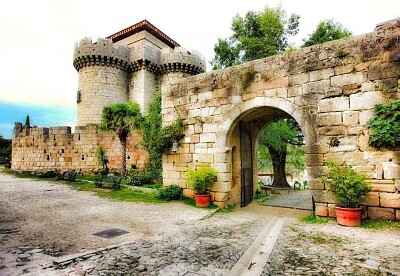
(256, 35)
(121, 118)
(279, 150)
(327, 30)
(385, 125)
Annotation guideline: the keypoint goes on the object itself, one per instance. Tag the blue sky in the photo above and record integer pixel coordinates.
(40, 115)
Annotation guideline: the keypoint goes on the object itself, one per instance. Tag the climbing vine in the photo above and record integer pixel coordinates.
(158, 139)
(385, 125)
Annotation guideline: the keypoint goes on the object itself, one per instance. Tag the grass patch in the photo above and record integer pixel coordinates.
(123, 194)
(227, 209)
(152, 186)
(313, 219)
(191, 202)
(381, 225)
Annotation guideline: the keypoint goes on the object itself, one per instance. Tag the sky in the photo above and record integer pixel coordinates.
(38, 36)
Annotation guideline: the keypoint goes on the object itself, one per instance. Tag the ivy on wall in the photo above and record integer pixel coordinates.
(158, 139)
(385, 125)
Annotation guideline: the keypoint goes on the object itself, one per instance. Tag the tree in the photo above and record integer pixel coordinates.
(121, 119)
(327, 30)
(257, 35)
(276, 137)
(27, 122)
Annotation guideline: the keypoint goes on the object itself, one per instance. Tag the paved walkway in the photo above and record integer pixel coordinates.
(297, 199)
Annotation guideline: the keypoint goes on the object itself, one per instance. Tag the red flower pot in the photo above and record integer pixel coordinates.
(348, 216)
(202, 200)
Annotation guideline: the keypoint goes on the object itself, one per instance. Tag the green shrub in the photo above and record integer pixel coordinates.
(172, 192)
(137, 178)
(348, 186)
(385, 125)
(202, 179)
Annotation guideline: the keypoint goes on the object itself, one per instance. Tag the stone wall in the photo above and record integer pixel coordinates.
(329, 89)
(56, 148)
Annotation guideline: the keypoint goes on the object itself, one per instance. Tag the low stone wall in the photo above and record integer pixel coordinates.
(56, 148)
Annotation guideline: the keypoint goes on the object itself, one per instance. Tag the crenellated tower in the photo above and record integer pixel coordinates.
(131, 64)
(103, 77)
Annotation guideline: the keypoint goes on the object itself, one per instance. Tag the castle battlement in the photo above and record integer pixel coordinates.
(181, 60)
(104, 52)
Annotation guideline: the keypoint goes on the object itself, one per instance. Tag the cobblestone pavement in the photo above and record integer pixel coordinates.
(208, 245)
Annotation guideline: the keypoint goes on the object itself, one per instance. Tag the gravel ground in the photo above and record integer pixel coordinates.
(47, 229)
(301, 199)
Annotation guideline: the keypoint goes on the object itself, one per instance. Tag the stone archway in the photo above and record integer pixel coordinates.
(254, 118)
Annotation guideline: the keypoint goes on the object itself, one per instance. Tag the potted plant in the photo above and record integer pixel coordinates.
(201, 180)
(350, 189)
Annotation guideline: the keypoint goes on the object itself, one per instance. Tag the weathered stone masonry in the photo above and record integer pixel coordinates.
(329, 89)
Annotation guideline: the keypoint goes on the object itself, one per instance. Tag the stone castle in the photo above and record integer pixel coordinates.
(329, 89)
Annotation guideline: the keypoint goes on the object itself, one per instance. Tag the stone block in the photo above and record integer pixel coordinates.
(221, 187)
(314, 159)
(381, 213)
(185, 158)
(351, 89)
(372, 199)
(299, 79)
(346, 79)
(316, 87)
(316, 149)
(350, 118)
(188, 193)
(365, 101)
(205, 158)
(329, 119)
(383, 71)
(397, 184)
(208, 137)
(315, 171)
(221, 196)
(321, 209)
(323, 74)
(332, 130)
(355, 158)
(315, 184)
(340, 70)
(220, 204)
(333, 104)
(222, 167)
(391, 171)
(221, 157)
(336, 157)
(365, 116)
(332, 210)
(391, 200)
(275, 83)
(324, 196)
(398, 214)
(295, 91)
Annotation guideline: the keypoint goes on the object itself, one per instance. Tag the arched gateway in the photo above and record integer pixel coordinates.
(329, 89)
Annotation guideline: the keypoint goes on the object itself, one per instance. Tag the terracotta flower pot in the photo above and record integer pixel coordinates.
(348, 216)
(202, 200)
